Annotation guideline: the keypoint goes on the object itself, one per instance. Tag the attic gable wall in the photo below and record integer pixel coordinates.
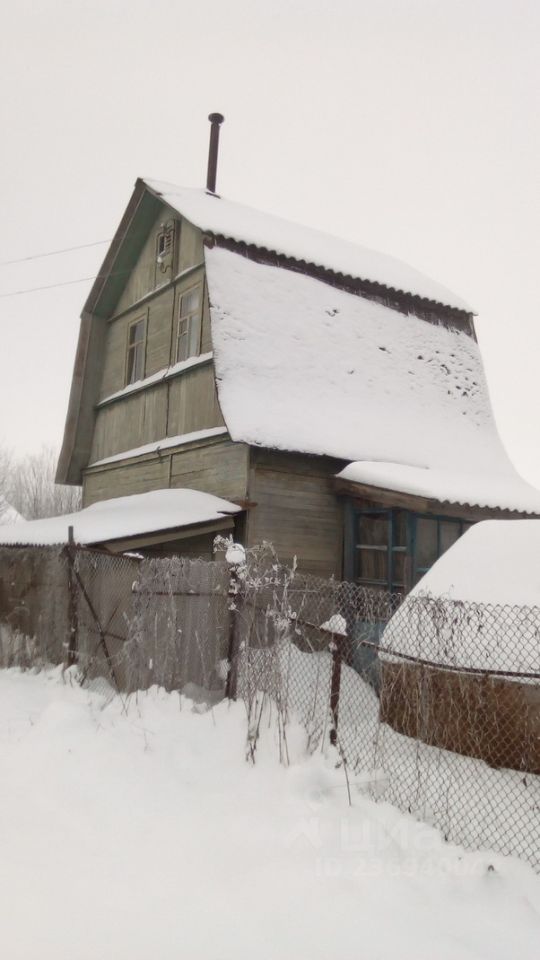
(146, 275)
(104, 424)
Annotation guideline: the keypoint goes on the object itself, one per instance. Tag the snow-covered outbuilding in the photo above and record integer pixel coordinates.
(460, 657)
(334, 394)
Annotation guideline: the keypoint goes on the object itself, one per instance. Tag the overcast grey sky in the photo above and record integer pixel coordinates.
(410, 126)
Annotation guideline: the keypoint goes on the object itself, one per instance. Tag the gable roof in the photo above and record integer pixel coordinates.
(303, 366)
(224, 218)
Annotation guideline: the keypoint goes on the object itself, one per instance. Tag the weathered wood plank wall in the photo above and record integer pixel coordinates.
(219, 467)
(296, 509)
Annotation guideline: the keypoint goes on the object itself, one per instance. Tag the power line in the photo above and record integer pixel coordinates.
(65, 283)
(53, 253)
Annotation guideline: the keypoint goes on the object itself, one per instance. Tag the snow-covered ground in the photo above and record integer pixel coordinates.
(141, 831)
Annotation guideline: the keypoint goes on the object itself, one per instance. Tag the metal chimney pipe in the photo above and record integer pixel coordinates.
(216, 119)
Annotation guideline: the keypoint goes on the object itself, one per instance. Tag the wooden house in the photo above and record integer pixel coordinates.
(334, 394)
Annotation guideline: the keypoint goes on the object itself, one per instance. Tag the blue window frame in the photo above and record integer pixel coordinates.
(391, 549)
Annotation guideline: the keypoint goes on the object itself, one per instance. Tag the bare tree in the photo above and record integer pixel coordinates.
(6, 478)
(27, 483)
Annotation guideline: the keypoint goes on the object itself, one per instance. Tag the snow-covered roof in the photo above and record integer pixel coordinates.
(495, 561)
(122, 518)
(303, 366)
(9, 514)
(481, 488)
(479, 604)
(215, 215)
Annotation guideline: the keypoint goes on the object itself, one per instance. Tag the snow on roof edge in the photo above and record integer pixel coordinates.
(238, 222)
(122, 518)
(163, 444)
(484, 491)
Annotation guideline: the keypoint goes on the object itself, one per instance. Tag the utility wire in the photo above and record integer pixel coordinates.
(52, 253)
(65, 283)
(81, 246)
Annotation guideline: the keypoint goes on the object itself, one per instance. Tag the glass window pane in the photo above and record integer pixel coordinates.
(135, 331)
(400, 528)
(373, 529)
(182, 343)
(450, 531)
(138, 362)
(182, 327)
(194, 336)
(189, 302)
(372, 565)
(426, 542)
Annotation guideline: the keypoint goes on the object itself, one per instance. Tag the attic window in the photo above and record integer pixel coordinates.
(164, 246)
(135, 351)
(188, 330)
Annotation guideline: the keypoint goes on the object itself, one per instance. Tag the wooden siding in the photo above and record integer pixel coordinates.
(122, 480)
(146, 274)
(296, 509)
(158, 332)
(200, 547)
(218, 467)
(115, 350)
(180, 405)
(160, 314)
(193, 403)
(131, 422)
(183, 404)
(191, 250)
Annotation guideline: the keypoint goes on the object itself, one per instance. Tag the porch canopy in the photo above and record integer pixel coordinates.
(467, 487)
(125, 522)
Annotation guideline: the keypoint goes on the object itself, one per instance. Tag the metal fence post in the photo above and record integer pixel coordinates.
(233, 594)
(337, 657)
(72, 603)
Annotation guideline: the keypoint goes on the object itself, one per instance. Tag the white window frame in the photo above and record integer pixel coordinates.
(189, 321)
(138, 348)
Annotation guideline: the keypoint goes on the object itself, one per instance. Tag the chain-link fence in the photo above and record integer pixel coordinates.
(432, 704)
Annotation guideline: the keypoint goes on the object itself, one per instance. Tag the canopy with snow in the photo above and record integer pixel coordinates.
(124, 518)
(303, 366)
